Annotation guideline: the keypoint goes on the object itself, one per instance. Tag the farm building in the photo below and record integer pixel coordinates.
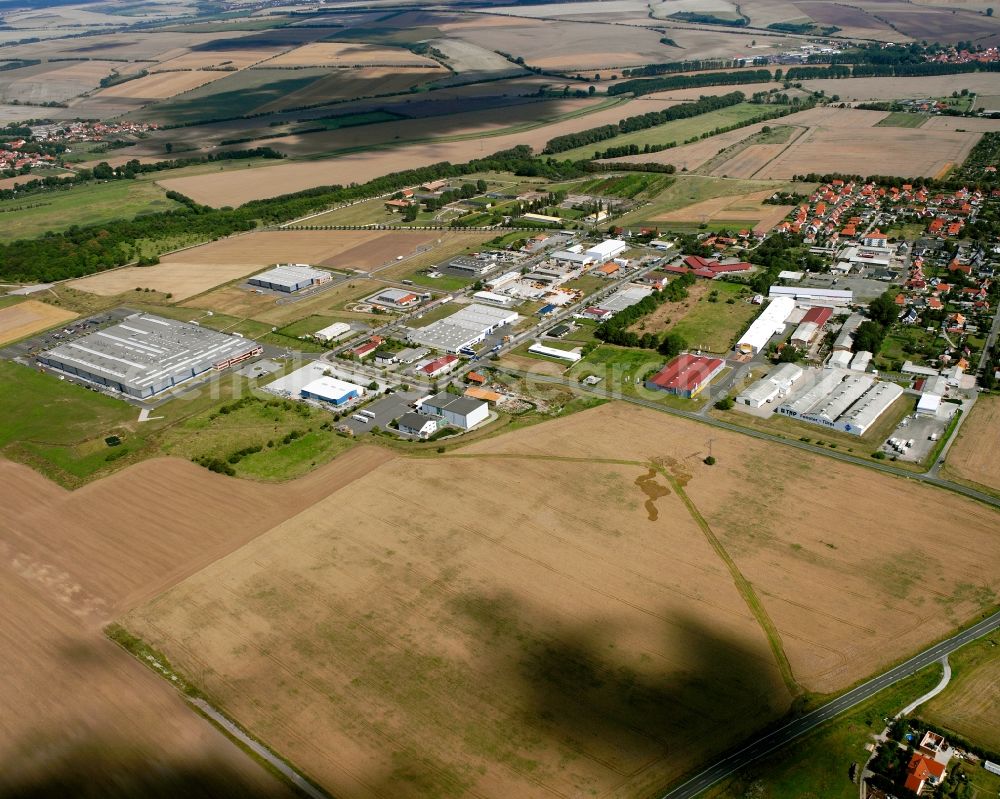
(607, 249)
(290, 278)
(463, 412)
(333, 332)
(332, 390)
(773, 385)
(440, 366)
(468, 326)
(686, 375)
(419, 425)
(771, 321)
(833, 298)
(144, 354)
(552, 352)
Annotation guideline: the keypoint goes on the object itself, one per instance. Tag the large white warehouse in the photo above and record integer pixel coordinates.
(771, 321)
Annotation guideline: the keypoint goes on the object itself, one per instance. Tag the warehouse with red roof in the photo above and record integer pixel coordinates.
(686, 375)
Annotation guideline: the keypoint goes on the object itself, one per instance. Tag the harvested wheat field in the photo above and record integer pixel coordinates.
(235, 301)
(69, 563)
(239, 186)
(904, 152)
(349, 84)
(160, 85)
(182, 279)
(849, 588)
(350, 54)
(30, 316)
(583, 640)
(237, 58)
(973, 456)
(860, 89)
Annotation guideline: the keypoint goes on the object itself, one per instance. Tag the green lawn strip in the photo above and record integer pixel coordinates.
(902, 119)
(32, 215)
(817, 765)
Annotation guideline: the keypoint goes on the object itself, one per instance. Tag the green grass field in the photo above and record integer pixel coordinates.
(715, 326)
(678, 131)
(33, 215)
(817, 766)
(902, 119)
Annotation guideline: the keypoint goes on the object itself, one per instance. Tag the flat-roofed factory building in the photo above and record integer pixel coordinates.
(145, 355)
(290, 278)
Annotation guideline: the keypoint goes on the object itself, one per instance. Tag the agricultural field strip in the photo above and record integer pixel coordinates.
(743, 585)
(927, 478)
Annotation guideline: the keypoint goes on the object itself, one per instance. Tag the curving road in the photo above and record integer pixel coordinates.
(775, 739)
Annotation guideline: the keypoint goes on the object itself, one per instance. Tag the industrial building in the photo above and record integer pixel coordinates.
(332, 390)
(834, 298)
(419, 425)
(845, 338)
(144, 355)
(842, 400)
(860, 361)
(462, 329)
(776, 384)
(607, 249)
(771, 321)
(552, 352)
(440, 366)
(395, 298)
(686, 375)
(290, 278)
(473, 266)
(625, 297)
(333, 332)
(463, 412)
(501, 300)
(810, 326)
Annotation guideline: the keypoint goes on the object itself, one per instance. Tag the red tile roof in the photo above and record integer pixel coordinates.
(685, 372)
(818, 315)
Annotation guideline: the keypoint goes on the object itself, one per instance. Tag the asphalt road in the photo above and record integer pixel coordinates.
(775, 739)
(788, 442)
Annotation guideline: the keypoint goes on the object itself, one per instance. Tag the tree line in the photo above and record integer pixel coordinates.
(651, 119)
(84, 250)
(615, 330)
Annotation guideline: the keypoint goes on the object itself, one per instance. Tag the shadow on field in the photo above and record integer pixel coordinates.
(580, 686)
(113, 770)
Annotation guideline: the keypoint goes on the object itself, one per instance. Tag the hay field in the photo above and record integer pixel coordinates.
(74, 706)
(30, 316)
(973, 456)
(161, 85)
(849, 587)
(393, 641)
(349, 54)
(237, 187)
